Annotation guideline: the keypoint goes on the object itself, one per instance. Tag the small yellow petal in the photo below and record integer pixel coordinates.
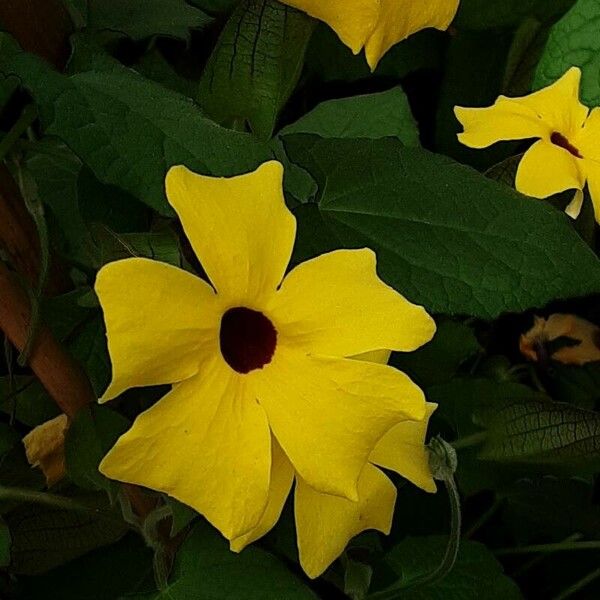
(399, 19)
(239, 227)
(547, 169)
(161, 322)
(45, 448)
(282, 477)
(352, 20)
(328, 413)
(402, 449)
(587, 139)
(336, 304)
(325, 524)
(207, 444)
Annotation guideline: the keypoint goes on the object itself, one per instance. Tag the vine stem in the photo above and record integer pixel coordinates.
(27, 118)
(578, 585)
(558, 547)
(443, 460)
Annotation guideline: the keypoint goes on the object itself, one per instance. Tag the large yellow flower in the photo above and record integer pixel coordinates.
(253, 357)
(377, 25)
(567, 153)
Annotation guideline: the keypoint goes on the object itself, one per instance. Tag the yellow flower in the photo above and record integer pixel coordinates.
(567, 153)
(253, 356)
(377, 25)
(45, 448)
(325, 523)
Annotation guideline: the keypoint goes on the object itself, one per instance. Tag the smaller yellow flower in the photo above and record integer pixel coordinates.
(567, 153)
(326, 523)
(377, 25)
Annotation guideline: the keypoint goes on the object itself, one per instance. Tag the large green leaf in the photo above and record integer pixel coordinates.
(445, 236)
(574, 40)
(370, 116)
(139, 19)
(476, 574)
(127, 129)
(205, 563)
(255, 65)
(44, 537)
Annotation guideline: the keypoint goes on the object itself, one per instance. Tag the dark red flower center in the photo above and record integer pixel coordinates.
(558, 139)
(248, 339)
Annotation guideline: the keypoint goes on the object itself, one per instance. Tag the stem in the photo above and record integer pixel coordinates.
(445, 472)
(27, 118)
(470, 440)
(532, 562)
(60, 502)
(558, 547)
(578, 585)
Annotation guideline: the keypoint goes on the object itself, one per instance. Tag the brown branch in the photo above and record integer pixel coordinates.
(59, 373)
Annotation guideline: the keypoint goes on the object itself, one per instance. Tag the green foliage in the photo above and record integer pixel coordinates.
(255, 65)
(445, 236)
(573, 42)
(127, 129)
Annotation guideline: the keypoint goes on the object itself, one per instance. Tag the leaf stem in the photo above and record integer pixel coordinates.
(558, 547)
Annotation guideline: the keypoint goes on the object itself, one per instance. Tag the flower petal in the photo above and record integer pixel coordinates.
(328, 413)
(160, 321)
(546, 169)
(352, 20)
(504, 120)
(402, 449)
(239, 227)
(282, 477)
(336, 305)
(207, 444)
(587, 140)
(325, 524)
(399, 19)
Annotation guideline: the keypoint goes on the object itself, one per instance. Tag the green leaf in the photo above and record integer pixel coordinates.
(204, 562)
(370, 116)
(91, 434)
(140, 19)
(255, 65)
(45, 537)
(5, 543)
(127, 129)
(541, 432)
(574, 41)
(445, 236)
(476, 574)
